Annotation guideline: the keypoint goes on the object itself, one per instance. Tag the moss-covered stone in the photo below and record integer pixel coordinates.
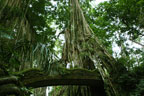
(9, 89)
(38, 78)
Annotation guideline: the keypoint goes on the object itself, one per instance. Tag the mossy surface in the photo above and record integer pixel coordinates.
(78, 76)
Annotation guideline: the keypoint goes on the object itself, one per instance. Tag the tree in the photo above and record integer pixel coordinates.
(27, 40)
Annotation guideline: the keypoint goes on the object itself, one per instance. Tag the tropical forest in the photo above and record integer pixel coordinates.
(71, 47)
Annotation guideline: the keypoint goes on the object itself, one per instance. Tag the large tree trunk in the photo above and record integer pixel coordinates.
(83, 46)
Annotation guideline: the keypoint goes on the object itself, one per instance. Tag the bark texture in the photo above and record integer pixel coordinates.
(36, 78)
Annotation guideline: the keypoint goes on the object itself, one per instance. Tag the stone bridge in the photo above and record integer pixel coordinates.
(35, 78)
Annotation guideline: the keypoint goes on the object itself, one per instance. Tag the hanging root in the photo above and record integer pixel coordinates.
(82, 45)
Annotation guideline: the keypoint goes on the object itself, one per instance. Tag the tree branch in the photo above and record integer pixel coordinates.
(137, 43)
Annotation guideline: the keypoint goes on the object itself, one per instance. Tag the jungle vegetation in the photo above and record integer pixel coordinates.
(79, 49)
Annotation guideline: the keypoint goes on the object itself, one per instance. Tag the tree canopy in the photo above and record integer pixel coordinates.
(53, 38)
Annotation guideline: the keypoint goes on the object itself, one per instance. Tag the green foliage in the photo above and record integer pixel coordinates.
(27, 39)
(128, 12)
(25, 33)
(139, 91)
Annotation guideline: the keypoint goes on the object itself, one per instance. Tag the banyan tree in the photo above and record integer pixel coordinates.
(30, 58)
